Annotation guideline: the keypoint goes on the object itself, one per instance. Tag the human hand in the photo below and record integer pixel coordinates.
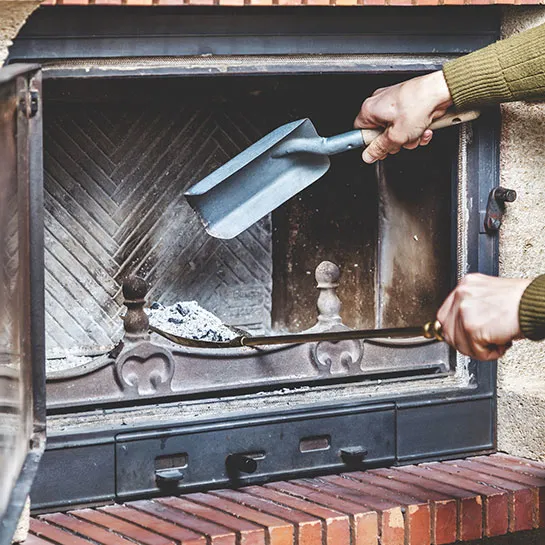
(405, 110)
(480, 316)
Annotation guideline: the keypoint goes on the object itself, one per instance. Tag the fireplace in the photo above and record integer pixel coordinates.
(116, 210)
(139, 105)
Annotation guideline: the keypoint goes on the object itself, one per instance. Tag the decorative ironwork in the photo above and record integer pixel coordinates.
(341, 358)
(145, 365)
(332, 358)
(142, 368)
(145, 369)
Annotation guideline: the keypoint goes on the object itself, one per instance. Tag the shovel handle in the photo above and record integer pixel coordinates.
(448, 120)
(358, 138)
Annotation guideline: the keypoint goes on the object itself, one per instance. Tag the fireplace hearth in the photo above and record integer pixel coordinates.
(139, 105)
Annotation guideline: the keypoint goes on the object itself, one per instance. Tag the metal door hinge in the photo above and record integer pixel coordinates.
(29, 103)
(495, 208)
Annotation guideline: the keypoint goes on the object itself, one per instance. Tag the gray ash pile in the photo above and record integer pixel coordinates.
(188, 319)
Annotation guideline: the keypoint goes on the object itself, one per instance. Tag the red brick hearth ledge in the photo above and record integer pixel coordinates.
(287, 2)
(436, 503)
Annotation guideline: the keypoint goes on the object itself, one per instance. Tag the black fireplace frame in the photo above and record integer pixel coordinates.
(76, 42)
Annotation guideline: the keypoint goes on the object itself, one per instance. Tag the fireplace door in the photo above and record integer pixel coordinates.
(22, 381)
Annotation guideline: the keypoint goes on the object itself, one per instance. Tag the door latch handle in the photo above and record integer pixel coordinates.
(495, 208)
(353, 456)
(165, 477)
(241, 463)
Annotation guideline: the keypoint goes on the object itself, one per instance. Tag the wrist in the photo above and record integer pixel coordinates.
(438, 90)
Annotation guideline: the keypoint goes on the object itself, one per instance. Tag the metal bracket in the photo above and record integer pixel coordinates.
(495, 208)
(29, 102)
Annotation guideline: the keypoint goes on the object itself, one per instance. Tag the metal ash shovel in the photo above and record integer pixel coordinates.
(274, 169)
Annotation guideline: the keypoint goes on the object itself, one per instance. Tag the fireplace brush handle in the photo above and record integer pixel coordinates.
(430, 330)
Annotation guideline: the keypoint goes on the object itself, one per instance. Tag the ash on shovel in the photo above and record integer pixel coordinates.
(188, 319)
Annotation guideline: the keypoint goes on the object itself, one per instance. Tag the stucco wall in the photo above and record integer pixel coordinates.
(521, 412)
(13, 13)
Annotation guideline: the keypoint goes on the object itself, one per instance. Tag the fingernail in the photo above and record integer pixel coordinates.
(367, 157)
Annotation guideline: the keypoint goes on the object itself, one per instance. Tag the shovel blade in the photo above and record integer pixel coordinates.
(256, 181)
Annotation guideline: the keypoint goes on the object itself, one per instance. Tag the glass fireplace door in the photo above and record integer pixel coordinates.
(22, 418)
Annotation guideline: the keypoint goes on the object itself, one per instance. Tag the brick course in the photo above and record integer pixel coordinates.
(430, 504)
(406, 3)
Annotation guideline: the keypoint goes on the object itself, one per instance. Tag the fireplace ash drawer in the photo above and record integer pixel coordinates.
(73, 473)
(226, 454)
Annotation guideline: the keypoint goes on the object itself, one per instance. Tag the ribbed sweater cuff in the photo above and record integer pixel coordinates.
(477, 79)
(532, 310)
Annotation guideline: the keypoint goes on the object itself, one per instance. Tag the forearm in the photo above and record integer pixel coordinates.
(532, 310)
(512, 69)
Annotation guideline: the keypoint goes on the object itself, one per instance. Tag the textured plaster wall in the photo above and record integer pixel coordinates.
(13, 14)
(521, 411)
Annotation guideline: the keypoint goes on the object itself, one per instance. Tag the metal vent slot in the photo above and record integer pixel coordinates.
(310, 444)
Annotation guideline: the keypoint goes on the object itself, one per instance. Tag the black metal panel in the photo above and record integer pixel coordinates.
(75, 473)
(148, 461)
(250, 66)
(22, 371)
(484, 160)
(280, 445)
(71, 32)
(444, 429)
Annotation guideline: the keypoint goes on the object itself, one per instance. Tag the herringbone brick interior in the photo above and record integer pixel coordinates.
(114, 181)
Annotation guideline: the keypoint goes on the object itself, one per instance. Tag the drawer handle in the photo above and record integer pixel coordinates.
(241, 463)
(165, 477)
(353, 456)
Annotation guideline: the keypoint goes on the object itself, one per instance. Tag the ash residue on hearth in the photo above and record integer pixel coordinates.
(188, 319)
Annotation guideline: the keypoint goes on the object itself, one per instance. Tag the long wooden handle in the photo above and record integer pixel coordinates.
(448, 120)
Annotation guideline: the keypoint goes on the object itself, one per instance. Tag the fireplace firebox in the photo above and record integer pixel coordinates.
(140, 104)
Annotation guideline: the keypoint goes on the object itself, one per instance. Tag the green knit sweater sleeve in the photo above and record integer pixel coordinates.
(511, 69)
(532, 310)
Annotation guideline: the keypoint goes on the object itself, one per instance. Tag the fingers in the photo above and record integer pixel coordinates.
(389, 142)
(426, 137)
(480, 316)
(379, 91)
(487, 353)
(412, 145)
(383, 146)
(461, 338)
(380, 147)
(371, 114)
(365, 120)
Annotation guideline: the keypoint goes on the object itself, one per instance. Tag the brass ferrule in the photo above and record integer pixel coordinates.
(434, 330)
